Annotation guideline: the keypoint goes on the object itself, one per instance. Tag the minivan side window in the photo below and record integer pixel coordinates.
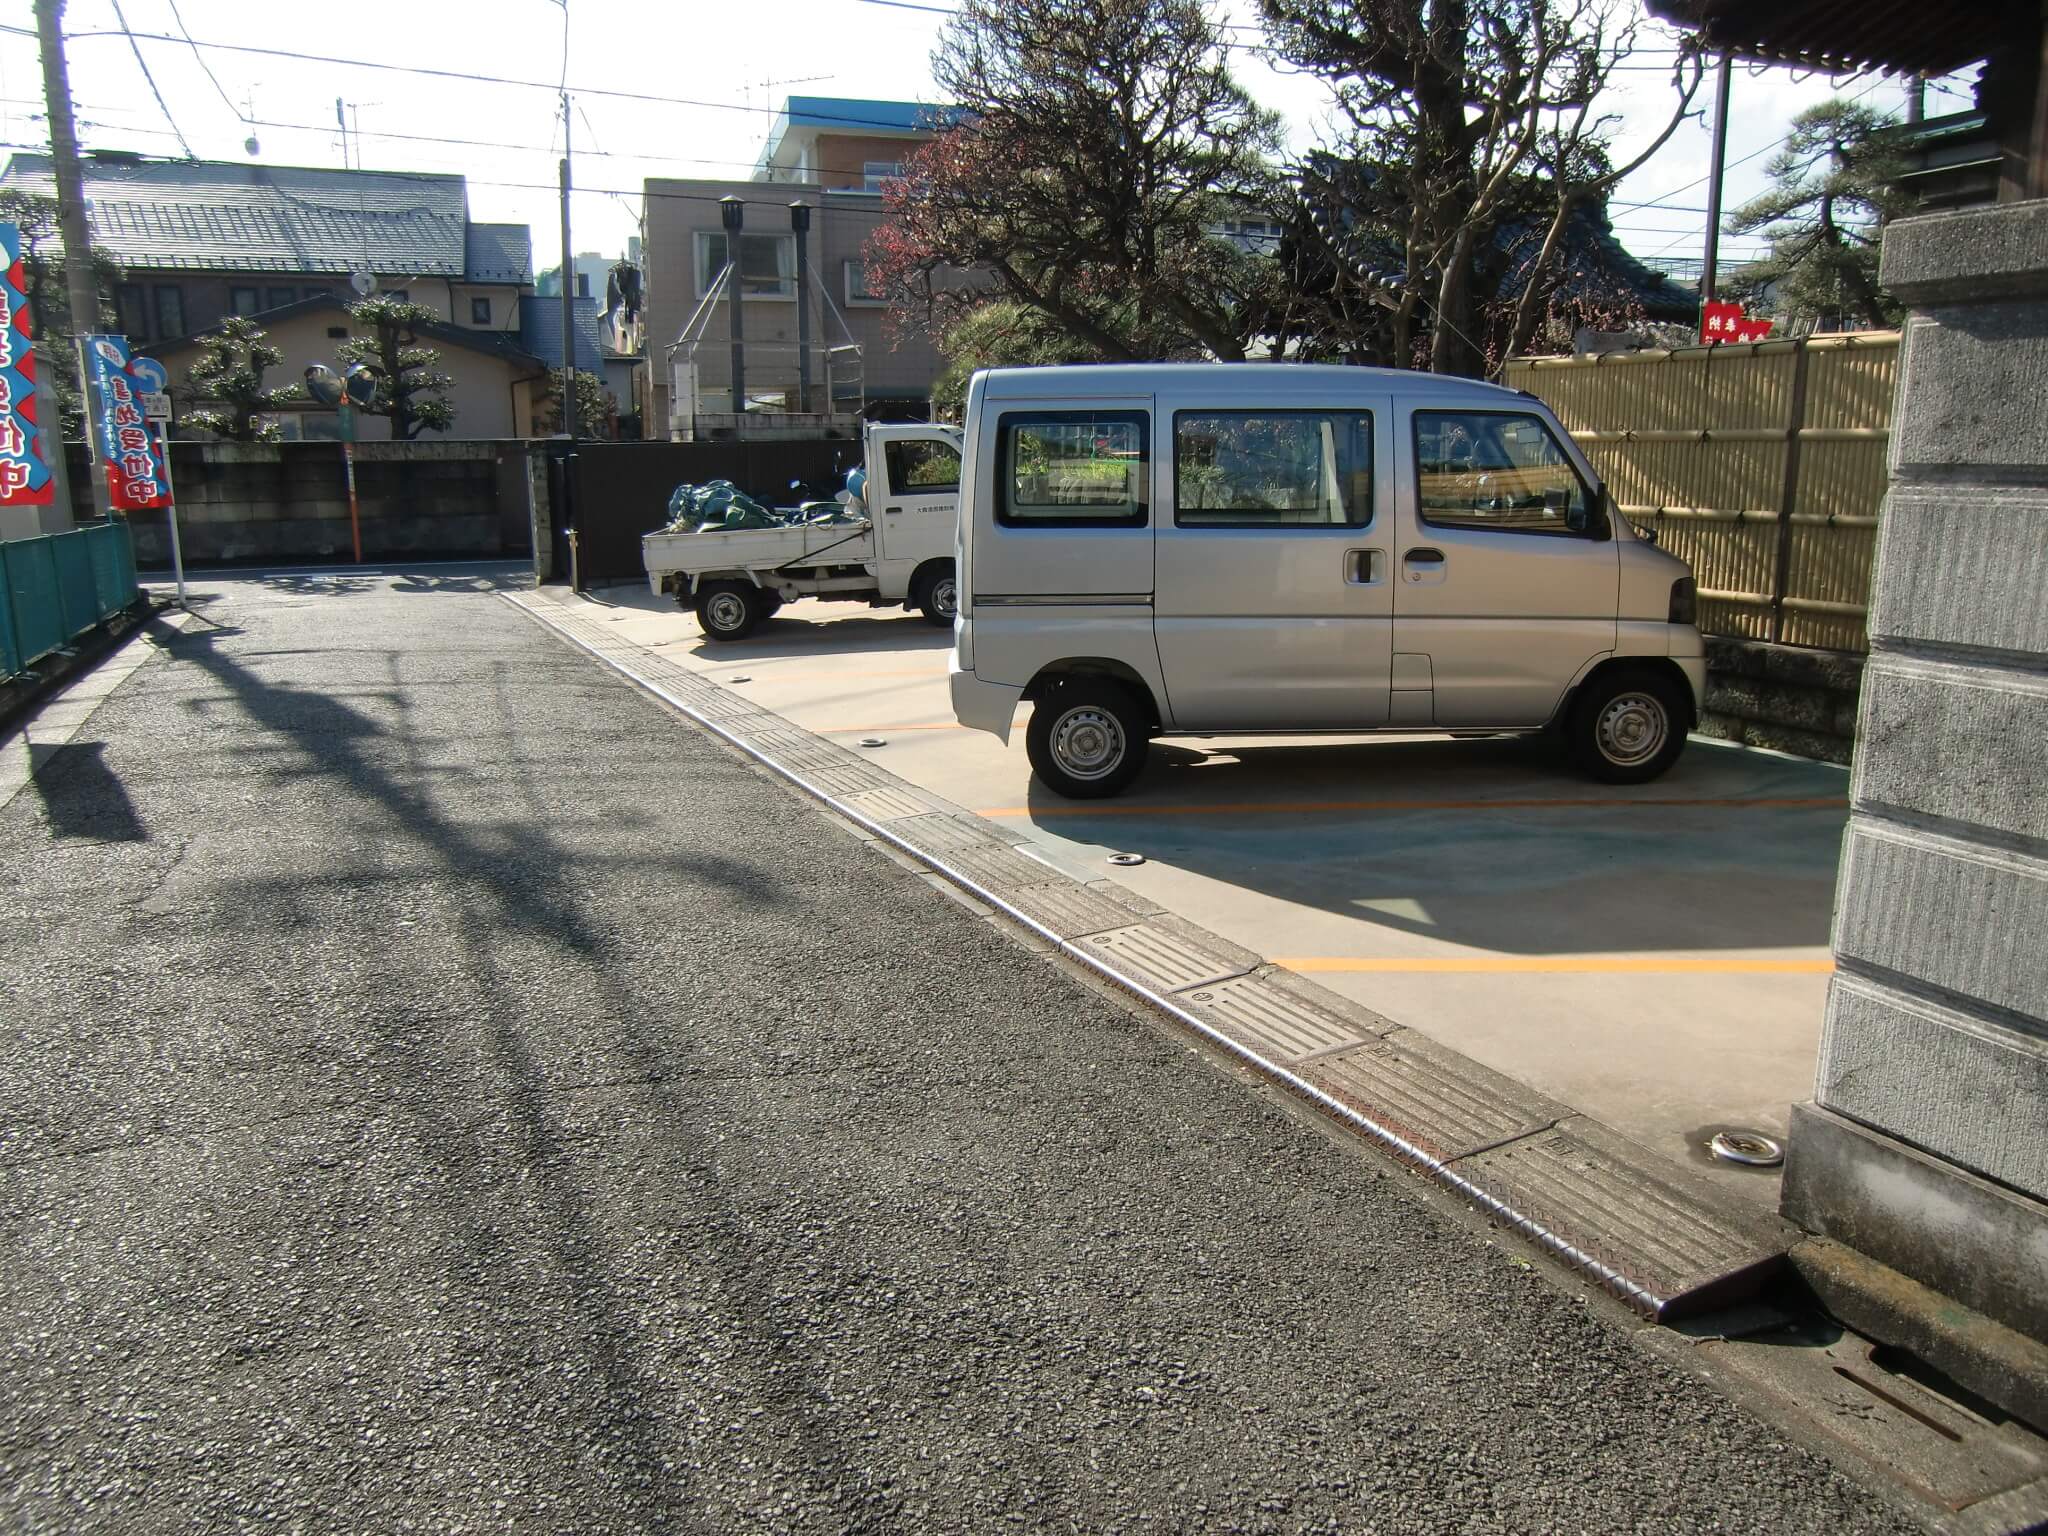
(918, 466)
(1073, 469)
(1272, 469)
(1502, 471)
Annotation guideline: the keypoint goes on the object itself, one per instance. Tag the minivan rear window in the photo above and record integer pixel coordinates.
(1272, 469)
(1073, 469)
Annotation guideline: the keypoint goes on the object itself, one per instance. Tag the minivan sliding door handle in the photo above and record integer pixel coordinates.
(1423, 565)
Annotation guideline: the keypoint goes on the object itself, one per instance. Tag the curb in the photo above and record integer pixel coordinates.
(23, 693)
(1647, 1231)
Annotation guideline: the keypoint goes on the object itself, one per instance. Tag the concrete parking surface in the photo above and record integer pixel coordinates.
(447, 1091)
(1655, 956)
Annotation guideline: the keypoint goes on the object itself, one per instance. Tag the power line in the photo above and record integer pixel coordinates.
(143, 65)
(200, 59)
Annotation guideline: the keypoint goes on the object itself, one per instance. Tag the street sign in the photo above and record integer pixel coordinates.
(155, 407)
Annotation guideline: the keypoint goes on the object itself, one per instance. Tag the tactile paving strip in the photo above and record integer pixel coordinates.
(1068, 910)
(1004, 868)
(941, 833)
(890, 804)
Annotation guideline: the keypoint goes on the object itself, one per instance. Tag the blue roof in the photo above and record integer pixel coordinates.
(851, 114)
(540, 331)
(498, 253)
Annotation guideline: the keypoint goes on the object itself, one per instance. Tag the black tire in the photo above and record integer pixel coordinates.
(937, 595)
(1627, 726)
(1087, 739)
(729, 610)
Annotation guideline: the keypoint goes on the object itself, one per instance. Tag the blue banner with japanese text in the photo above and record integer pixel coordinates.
(24, 443)
(127, 449)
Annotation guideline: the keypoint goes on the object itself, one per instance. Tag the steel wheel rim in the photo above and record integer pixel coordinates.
(726, 610)
(1087, 743)
(946, 596)
(1633, 729)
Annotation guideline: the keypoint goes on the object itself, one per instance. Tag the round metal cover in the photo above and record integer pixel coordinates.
(1126, 860)
(874, 741)
(1752, 1149)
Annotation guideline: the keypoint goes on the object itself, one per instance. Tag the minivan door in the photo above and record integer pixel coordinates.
(1273, 608)
(1508, 577)
(913, 496)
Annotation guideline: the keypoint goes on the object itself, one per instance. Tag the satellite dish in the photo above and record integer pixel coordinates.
(362, 279)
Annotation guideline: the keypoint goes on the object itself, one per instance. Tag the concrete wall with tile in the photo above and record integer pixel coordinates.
(260, 503)
(1927, 1143)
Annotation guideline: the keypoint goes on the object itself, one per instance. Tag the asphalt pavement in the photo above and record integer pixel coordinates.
(446, 1091)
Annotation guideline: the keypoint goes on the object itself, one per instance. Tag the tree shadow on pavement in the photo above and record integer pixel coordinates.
(518, 878)
(82, 796)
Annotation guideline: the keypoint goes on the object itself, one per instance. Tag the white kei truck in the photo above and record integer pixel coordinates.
(1224, 549)
(897, 553)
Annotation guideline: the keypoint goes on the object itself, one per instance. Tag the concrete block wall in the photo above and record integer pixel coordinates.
(1927, 1144)
(287, 503)
(1785, 697)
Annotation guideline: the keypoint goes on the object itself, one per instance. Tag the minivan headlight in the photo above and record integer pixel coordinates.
(1685, 601)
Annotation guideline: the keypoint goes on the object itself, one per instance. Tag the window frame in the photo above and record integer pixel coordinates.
(893, 449)
(1006, 444)
(848, 267)
(1598, 528)
(175, 294)
(870, 182)
(131, 303)
(1372, 508)
(479, 309)
(241, 294)
(272, 301)
(707, 274)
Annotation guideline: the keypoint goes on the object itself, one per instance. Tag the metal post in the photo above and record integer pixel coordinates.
(348, 470)
(1788, 495)
(568, 292)
(171, 496)
(77, 232)
(1709, 272)
(732, 212)
(800, 221)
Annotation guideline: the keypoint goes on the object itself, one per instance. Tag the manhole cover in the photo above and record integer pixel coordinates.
(874, 741)
(1126, 860)
(1752, 1149)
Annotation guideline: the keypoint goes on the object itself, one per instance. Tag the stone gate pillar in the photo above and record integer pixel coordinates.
(1926, 1145)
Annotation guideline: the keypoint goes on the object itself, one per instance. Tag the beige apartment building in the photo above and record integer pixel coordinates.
(831, 157)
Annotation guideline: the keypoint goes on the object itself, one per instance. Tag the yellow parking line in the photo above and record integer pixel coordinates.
(1313, 807)
(1601, 965)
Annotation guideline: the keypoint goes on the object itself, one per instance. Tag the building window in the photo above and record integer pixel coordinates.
(398, 295)
(277, 298)
(134, 310)
(170, 311)
(1500, 471)
(241, 301)
(767, 264)
(1072, 469)
(337, 333)
(857, 289)
(875, 175)
(479, 311)
(314, 293)
(1272, 469)
(582, 285)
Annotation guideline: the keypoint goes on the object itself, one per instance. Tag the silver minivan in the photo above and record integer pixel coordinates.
(1226, 549)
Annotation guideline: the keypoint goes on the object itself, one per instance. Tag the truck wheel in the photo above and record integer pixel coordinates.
(1626, 727)
(729, 610)
(938, 595)
(1087, 739)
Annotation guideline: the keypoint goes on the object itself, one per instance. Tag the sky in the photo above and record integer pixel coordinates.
(711, 73)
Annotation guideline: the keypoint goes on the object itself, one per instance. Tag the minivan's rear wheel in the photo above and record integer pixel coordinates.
(938, 595)
(1087, 739)
(1627, 727)
(729, 610)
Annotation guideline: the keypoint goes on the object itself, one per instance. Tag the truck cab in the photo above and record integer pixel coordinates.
(1210, 549)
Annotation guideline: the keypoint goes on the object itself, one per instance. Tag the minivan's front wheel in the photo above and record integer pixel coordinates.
(1627, 727)
(1087, 739)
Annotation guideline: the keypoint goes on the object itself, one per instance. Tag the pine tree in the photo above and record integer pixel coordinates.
(229, 375)
(1834, 187)
(596, 409)
(410, 393)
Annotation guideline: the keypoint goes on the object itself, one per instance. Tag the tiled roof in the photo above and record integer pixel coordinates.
(540, 331)
(499, 253)
(219, 216)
